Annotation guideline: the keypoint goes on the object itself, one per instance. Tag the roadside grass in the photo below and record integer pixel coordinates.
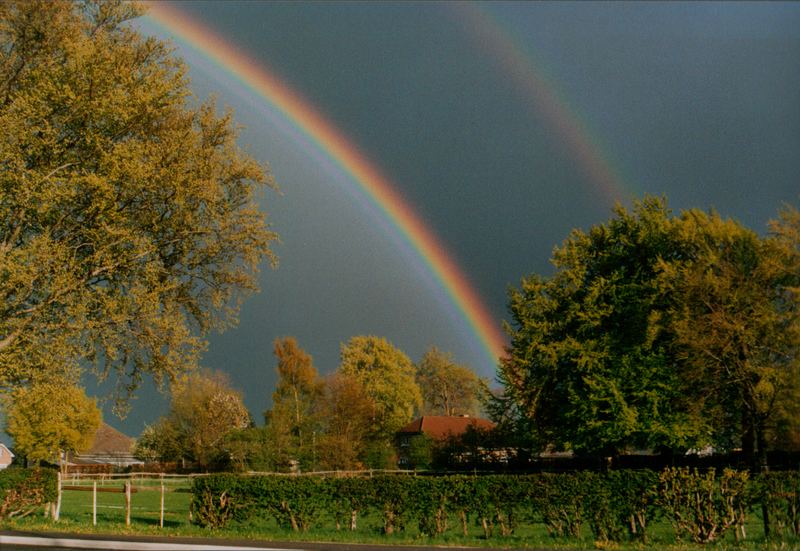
(76, 517)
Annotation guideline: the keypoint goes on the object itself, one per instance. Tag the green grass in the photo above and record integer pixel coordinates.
(76, 516)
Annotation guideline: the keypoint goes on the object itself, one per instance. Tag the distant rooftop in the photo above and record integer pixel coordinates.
(440, 427)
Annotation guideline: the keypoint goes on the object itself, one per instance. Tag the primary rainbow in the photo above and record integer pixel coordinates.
(339, 149)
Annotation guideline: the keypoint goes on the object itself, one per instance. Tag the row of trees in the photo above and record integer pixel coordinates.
(659, 331)
(346, 420)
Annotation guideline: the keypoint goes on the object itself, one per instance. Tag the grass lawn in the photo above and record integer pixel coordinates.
(76, 516)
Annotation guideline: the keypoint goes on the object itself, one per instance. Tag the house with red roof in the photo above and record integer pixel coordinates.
(440, 429)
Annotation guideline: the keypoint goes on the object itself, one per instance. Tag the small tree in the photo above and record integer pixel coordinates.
(448, 388)
(50, 419)
(203, 411)
(292, 423)
(346, 414)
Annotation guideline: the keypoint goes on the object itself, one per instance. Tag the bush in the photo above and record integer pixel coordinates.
(614, 505)
(24, 490)
(779, 494)
(219, 499)
(702, 505)
(559, 500)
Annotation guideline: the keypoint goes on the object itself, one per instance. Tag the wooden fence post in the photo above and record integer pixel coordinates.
(94, 503)
(128, 503)
(161, 522)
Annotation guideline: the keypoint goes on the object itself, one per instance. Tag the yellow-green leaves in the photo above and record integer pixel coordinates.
(129, 223)
(49, 418)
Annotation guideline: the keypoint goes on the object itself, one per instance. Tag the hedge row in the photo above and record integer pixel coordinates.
(24, 490)
(615, 505)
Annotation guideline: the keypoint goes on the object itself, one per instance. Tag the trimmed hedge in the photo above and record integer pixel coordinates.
(615, 505)
(24, 490)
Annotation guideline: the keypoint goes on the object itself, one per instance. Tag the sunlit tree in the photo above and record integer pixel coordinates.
(129, 223)
(51, 419)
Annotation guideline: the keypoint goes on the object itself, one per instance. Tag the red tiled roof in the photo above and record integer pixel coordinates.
(440, 427)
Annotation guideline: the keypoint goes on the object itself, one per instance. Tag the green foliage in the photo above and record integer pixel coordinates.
(735, 314)
(219, 499)
(388, 378)
(633, 495)
(448, 388)
(349, 498)
(658, 331)
(51, 417)
(558, 498)
(204, 410)
(617, 506)
(130, 225)
(420, 451)
(24, 490)
(584, 373)
(702, 505)
(779, 492)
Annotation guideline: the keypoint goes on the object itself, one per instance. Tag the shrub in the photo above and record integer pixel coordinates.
(24, 490)
(702, 505)
(779, 494)
(219, 499)
(561, 504)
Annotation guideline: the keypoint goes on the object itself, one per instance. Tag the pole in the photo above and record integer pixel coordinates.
(94, 503)
(57, 514)
(161, 522)
(128, 503)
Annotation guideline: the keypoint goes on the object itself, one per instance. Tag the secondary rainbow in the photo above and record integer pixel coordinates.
(337, 147)
(521, 67)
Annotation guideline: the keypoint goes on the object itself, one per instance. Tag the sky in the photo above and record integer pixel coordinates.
(501, 126)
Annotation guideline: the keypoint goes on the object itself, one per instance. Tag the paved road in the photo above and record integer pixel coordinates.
(36, 541)
(31, 543)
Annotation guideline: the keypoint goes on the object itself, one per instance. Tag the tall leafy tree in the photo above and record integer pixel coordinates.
(292, 422)
(736, 316)
(584, 372)
(51, 418)
(128, 219)
(388, 378)
(447, 387)
(346, 413)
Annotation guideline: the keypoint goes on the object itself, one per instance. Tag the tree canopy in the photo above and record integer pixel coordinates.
(49, 418)
(204, 410)
(653, 332)
(387, 377)
(130, 227)
(292, 423)
(447, 387)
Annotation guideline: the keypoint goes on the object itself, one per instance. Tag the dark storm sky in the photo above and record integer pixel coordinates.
(700, 102)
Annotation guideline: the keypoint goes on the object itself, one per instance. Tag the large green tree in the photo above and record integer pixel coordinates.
(51, 418)
(736, 317)
(128, 219)
(659, 330)
(584, 372)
